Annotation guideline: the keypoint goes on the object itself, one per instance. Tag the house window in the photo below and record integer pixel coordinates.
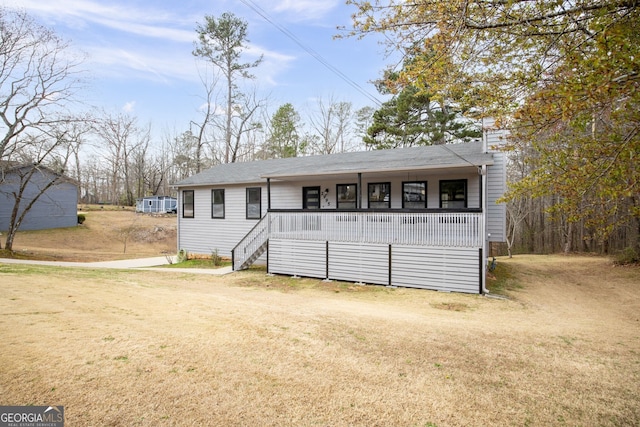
(414, 195)
(453, 194)
(254, 203)
(310, 197)
(217, 203)
(379, 195)
(188, 210)
(346, 195)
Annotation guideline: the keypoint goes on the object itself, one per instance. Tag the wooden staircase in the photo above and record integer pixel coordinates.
(254, 256)
(252, 245)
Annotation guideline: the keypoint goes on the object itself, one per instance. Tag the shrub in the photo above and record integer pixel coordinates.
(183, 255)
(81, 218)
(627, 256)
(215, 258)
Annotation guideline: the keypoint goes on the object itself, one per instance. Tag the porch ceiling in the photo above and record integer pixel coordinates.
(378, 173)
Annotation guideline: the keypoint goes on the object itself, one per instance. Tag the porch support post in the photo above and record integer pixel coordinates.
(484, 251)
(359, 201)
(482, 172)
(268, 194)
(482, 271)
(326, 260)
(390, 264)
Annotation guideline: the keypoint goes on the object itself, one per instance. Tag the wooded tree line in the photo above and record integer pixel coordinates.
(562, 76)
(127, 163)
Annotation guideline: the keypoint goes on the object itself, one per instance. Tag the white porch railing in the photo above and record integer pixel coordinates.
(445, 229)
(252, 245)
(448, 229)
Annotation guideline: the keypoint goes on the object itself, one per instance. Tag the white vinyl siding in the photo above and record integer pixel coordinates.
(297, 257)
(288, 195)
(364, 263)
(435, 268)
(496, 186)
(445, 269)
(203, 235)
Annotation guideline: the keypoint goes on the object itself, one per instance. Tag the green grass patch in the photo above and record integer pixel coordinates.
(75, 273)
(198, 263)
(502, 280)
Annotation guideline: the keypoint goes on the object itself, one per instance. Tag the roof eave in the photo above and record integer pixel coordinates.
(377, 171)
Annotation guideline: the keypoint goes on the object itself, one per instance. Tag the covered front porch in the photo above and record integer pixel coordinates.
(409, 221)
(432, 249)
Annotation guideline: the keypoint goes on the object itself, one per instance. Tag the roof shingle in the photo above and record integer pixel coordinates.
(399, 159)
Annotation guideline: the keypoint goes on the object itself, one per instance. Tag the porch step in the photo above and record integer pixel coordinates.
(254, 256)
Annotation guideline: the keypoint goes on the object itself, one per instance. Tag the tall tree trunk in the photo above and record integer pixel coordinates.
(227, 131)
(568, 243)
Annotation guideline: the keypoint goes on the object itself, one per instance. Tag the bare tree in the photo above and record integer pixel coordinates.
(221, 42)
(245, 124)
(364, 119)
(94, 183)
(181, 150)
(39, 79)
(123, 139)
(332, 123)
(29, 179)
(72, 136)
(208, 109)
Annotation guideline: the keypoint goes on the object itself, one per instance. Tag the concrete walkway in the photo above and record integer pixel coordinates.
(136, 263)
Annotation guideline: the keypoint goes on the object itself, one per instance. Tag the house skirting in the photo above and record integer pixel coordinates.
(454, 269)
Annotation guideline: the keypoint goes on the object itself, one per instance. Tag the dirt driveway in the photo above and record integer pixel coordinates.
(122, 348)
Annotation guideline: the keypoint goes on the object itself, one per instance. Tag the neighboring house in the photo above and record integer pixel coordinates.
(415, 217)
(56, 207)
(157, 204)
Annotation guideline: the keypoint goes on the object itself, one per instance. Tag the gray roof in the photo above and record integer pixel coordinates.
(399, 159)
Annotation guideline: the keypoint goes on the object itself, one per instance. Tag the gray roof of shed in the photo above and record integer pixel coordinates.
(399, 159)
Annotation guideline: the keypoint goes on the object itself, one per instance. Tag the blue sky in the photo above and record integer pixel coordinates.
(140, 60)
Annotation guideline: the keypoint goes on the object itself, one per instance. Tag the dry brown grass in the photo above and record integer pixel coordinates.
(122, 348)
(108, 233)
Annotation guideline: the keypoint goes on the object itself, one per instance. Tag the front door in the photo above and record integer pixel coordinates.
(311, 198)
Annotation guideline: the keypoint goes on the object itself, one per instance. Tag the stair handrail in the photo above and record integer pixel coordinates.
(250, 242)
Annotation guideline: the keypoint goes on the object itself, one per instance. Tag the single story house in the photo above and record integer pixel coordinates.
(414, 217)
(54, 207)
(157, 204)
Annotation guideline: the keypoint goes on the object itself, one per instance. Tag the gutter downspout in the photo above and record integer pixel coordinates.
(485, 240)
(179, 215)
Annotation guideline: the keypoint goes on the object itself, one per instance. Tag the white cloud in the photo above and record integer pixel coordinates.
(122, 63)
(306, 9)
(149, 41)
(129, 107)
(130, 63)
(81, 14)
(128, 42)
